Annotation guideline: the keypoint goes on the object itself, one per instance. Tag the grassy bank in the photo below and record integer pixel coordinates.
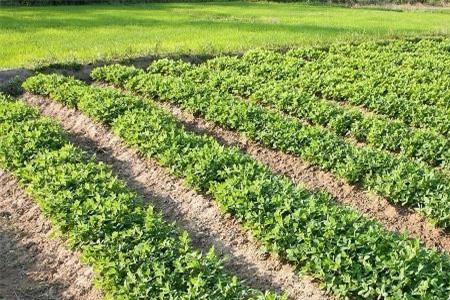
(31, 36)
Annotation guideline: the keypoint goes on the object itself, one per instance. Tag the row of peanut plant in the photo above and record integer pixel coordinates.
(235, 76)
(404, 80)
(134, 252)
(402, 83)
(397, 178)
(351, 255)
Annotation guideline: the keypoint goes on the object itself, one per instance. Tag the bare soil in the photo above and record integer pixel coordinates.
(33, 264)
(193, 212)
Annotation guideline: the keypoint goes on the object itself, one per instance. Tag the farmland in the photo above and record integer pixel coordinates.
(306, 164)
(101, 217)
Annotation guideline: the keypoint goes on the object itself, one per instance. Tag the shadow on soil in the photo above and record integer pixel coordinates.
(11, 80)
(18, 264)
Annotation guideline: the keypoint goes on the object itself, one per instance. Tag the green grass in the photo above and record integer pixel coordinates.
(32, 36)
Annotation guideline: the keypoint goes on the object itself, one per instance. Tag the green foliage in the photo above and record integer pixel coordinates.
(134, 252)
(5, 98)
(67, 91)
(397, 178)
(15, 111)
(271, 79)
(106, 106)
(353, 256)
(21, 141)
(169, 67)
(404, 80)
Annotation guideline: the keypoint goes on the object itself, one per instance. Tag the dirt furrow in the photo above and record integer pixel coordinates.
(196, 213)
(393, 217)
(33, 263)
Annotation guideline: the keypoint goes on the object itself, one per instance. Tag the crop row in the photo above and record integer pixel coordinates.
(421, 66)
(339, 84)
(134, 252)
(416, 78)
(380, 132)
(398, 179)
(404, 80)
(415, 71)
(351, 255)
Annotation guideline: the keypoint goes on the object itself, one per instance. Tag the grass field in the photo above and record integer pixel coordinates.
(40, 35)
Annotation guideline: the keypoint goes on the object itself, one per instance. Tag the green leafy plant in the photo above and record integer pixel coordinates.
(271, 79)
(352, 256)
(420, 186)
(134, 252)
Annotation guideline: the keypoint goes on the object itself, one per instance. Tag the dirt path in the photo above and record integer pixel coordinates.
(33, 264)
(197, 214)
